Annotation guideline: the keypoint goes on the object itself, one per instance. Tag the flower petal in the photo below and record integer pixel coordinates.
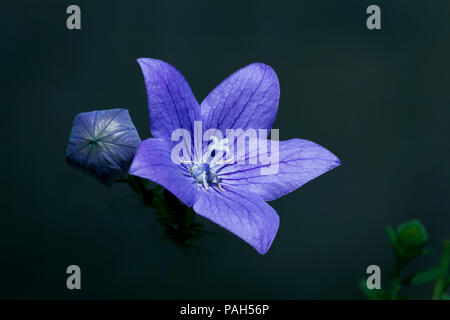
(153, 161)
(246, 99)
(243, 214)
(103, 143)
(299, 161)
(172, 104)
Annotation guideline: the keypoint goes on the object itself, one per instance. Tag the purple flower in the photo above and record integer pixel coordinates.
(103, 143)
(232, 195)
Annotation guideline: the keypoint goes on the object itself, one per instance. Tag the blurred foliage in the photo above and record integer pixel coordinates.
(409, 243)
(177, 218)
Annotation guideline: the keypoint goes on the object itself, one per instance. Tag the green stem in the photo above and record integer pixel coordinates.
(395, 284)
(442, 282)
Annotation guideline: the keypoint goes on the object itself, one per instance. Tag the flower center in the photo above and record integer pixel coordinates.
(203, 174)
(198, 171)
(202, 171)
(93, 141)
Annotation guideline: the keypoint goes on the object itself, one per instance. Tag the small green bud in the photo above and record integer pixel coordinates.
(412, 234)
(409, 240)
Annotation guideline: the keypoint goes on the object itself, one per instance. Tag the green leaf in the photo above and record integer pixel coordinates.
(426, 251)
(426, 276)
(392, 236)
(445, 296)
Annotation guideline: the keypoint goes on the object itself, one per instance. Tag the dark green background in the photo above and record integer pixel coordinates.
(379, 100)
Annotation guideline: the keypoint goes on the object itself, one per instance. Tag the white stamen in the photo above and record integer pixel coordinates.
(218, 183)
(205, 183)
